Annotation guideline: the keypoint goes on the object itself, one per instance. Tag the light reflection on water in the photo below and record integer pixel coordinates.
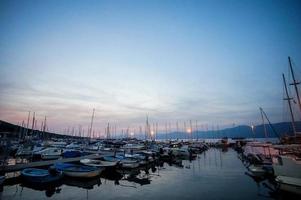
(213, 175)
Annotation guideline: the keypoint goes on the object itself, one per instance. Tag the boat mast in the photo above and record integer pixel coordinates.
(271, 125)
(27, 124)
(169, 131)
(165, 131)
(147, 129)
(264, 127)
(108, 131)
(289, 104)
(21, 130)
(79, 131)
(196, 129)
(140, 131)
(156, 130)
(153, 132)
(44, 127)
(177, 125)
(90, 132)
(33, 121)
(191, 137)
(185, 130)
(295, 83)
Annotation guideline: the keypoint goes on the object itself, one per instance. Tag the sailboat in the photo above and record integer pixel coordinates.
(287, 168)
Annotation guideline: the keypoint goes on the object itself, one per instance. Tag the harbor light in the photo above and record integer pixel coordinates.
(188, 130)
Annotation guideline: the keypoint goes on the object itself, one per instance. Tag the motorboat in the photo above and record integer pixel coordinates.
(257, 170)
(50, 153)
(128, 162)
(73, 145)
(125, 162)
(99, 163)
(183, 151)
(24, 151)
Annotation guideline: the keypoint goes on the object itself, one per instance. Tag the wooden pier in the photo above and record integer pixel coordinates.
(18, 167)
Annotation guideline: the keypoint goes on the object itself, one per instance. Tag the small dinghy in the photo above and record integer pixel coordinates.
(50, 153)
(99, 163)
(142, 158)
(78, 171)
(129, 162)
(125, 162)
(34, 175)
(257, 170)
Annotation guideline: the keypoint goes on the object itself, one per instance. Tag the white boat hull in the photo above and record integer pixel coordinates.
(130, 164)
(83, 174)
(179, 152)
(256, 170)
(287, 167)
(289, 184)
(98, 163)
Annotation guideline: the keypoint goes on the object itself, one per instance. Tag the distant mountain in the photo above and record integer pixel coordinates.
(281, 129)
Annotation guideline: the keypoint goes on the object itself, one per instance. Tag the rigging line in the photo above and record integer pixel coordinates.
(272, 127)
(294, 65)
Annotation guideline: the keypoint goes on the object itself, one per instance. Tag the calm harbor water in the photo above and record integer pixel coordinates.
(215, 174)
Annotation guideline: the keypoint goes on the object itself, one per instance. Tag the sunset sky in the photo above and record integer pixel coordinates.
(213, 61)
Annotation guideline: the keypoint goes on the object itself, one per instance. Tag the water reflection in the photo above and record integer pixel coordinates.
(83, 183)
(217, 173)
(49, 189)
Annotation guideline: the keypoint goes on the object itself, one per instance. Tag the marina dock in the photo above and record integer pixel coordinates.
(18, 167)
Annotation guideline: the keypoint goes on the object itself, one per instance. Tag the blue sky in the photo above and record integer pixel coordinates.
(211, 61)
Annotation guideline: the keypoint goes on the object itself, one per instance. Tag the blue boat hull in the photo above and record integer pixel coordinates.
(78, 171)
(40, 176)
(71, 154)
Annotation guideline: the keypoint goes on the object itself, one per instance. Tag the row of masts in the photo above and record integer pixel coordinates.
(150, 130)
(288, 98)
(25, 130)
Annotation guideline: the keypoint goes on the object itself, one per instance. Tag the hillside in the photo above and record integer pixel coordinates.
(244, 131)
